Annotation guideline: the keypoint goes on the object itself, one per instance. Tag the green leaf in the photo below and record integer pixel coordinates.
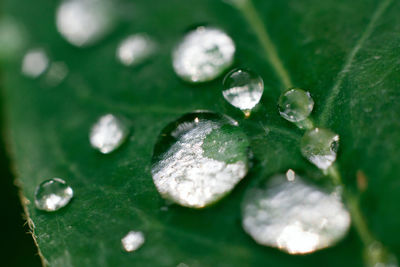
(346, 53)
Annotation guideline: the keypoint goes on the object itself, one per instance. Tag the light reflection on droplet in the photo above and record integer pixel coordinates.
(294, 216)
(199, 158)
(132, 241)
(135, 49)
(203, 54)
(53, 194)
(243, 88)
(56, 73)
(84, 22)
(290, 175)
(320, 147)
(108, 133)
(34, 63)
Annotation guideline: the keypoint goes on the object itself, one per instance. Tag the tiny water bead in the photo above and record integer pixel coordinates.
(132, 241)
(320, 147)
(135, 49)
(57, 72)
(203, 54)
(84, 22)
(108, 133)
(294, 216)
(243, 89)
(53, 194)
(295, 105)
(199, 158)
(34, 63)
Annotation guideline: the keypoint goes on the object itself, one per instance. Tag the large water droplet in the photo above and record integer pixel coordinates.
(320, 147)
(203, 54)
(132, 241)
(108, 133)
(34, 63)
(294, 216)
(295, 105)
(199, 158)
(135, 49)
(53, 194)
(243, 88)
(84, 22)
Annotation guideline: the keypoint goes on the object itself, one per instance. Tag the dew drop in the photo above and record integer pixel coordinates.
(34, 63)
(320, 147)
(203, 54)
(132, 241)
(84, 22)
(135, 49)
(53, 194)
(199, 158)
(58, 71)
(295, 105)
(294, 216)
(243, 89)
(108, 133)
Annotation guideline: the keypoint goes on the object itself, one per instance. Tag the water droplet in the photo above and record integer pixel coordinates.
(294, 216)
(320, 147)
(203, 54)
(135, 49)
(377, 255)
(132, 241)
(199, 158)
(243, 88)
(84, 22)
(12, 38)
(56, 74)
(35, 62)
(108, 133)
(295, 105)
(53, 194)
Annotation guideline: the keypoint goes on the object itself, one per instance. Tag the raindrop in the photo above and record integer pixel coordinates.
(135, 49)
(84, 22)
(132, 241)
(203, 54)
(320, 147)
(53, 194)
(35, 62)
(243, 89)
(199, 158)
(57, 73)
(12, 38)
(295, 105)
(294, 216)
(108, 133)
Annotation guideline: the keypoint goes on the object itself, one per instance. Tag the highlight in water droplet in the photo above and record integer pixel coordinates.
(294, 216)
(199, 158)
(53, 194)
(203, 54)
(108, 133)
(84, 22)
(243, 89)
(132, 241)
(135, 49)
(295, 105)
(34, 63)
(320, 147)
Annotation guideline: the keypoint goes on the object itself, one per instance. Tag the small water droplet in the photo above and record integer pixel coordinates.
(243, 89)
(53, 194)
(132, 241)
(320, 147)
(294, 216)
(135, 49)
(199, 158)
(34, 63)
(12, 39)
(84, 22)
(203, 54)
(295, 105)
(56, 74)
(108, 133)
